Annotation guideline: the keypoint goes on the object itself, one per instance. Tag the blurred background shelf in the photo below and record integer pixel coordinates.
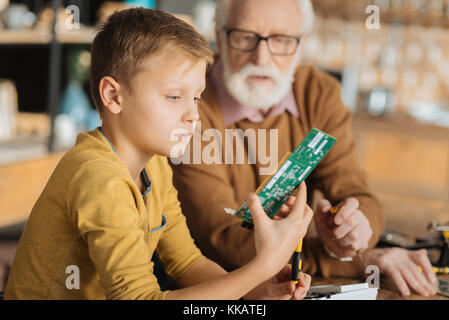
(17, 150)
(24, 37)
(82, 36)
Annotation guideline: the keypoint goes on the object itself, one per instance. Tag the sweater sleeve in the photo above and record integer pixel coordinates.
(102, 206)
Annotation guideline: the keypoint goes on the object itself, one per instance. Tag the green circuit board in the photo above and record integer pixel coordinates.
(294, 169)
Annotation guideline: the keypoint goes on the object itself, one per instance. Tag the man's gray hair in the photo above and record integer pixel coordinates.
(305, 6)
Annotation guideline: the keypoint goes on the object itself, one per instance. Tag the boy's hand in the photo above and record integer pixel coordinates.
(348, 232)
(280, 287)
(286, 208)
(276, 241)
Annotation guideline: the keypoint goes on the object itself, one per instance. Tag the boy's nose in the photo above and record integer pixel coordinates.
(191, 116)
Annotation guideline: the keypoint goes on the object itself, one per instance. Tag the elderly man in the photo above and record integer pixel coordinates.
(257, 84)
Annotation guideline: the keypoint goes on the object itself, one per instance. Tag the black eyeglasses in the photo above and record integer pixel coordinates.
(278, 44)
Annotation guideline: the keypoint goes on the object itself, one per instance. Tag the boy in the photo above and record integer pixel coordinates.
(110, 203)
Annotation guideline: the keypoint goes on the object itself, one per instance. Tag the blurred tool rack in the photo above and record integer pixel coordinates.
(54, 40)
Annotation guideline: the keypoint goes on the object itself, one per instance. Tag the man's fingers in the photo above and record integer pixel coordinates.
(359, 246)
(354, 240)
(420, 278)
(421, 259)
(346, 229)
(346, 210)
(412, 281)
(352, 243)
(349, 240)
(398, 280)
(324, 205)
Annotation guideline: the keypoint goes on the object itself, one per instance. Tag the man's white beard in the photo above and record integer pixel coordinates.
(258, 96)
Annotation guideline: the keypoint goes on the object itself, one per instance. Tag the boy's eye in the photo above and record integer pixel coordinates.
(173, 98)
(197, 99)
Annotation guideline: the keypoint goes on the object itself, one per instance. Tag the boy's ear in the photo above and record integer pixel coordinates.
(110, 94)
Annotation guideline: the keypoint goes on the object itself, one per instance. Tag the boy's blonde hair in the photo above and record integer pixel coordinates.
(130, 36)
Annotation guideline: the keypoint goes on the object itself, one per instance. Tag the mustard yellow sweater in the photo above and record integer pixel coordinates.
(92, 233)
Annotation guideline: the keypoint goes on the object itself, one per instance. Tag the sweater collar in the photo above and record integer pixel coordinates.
(143, 174)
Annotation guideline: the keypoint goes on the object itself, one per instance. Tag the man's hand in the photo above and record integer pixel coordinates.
(402, 267)
(279, 287)
(346, 233)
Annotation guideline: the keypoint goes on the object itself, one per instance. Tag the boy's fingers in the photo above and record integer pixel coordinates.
(286, 208)
(301, 200)
(300, 293)
(291, 201)
(303, 286)
(257, 212)
(283, 211)
(304, 280)
(281, 288)
(301, 196)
